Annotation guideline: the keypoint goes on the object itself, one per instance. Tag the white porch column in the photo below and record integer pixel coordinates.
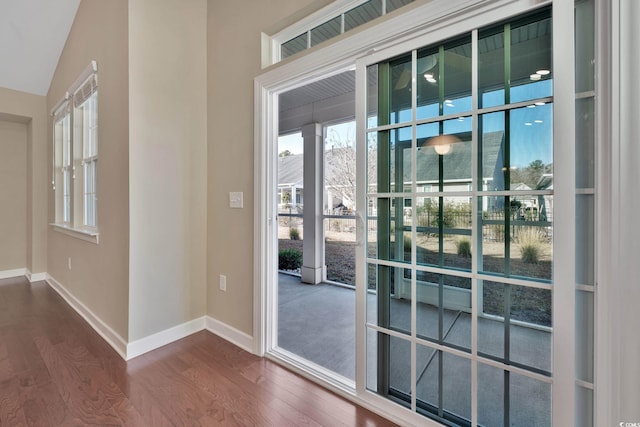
(313, 268)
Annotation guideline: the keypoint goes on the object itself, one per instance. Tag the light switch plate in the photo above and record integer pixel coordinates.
(236, 200)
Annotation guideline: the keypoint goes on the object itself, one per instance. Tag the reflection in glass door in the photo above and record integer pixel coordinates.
(459, 263)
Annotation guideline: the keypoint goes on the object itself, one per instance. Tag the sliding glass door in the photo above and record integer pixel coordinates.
(475, 208)
(459, 266)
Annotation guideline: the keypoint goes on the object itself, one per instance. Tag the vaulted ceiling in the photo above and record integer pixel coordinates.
(32, 36)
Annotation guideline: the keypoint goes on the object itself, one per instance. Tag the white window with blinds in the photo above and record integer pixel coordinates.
(75, 176)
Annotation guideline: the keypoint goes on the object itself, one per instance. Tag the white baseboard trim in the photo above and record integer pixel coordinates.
(230, 334)
(18, 272)
(159, 339)
(109, 335)
(35, 277)
(136, 348)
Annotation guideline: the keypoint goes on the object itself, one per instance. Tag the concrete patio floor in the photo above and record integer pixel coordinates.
(317, 323)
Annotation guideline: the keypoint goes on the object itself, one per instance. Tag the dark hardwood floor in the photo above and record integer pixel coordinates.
(56, 371)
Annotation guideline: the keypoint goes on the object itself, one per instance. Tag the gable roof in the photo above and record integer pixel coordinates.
(457, 163)
(290, 170)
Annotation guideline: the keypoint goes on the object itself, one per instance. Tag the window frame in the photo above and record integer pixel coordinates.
(74, 214)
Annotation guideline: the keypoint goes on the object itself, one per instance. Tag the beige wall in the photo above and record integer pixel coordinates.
(168, 135)
(31, 109)
(234, 60)
(13, 194)
(99, 276)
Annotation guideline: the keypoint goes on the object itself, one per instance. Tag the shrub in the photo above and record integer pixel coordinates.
(530, 241)
(463, 246)
(289, 259)
(294, 234)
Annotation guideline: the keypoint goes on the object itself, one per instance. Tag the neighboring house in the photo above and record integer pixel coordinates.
(290, 182)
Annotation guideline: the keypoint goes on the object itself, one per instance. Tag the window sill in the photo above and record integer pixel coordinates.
(79, 233)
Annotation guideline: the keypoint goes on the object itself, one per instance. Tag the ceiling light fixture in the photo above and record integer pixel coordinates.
(429, 77)
(442, 144)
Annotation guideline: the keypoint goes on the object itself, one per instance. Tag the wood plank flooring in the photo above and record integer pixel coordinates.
(56, 371)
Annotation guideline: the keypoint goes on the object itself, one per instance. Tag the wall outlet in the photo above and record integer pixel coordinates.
(223, 282)
(69, 263)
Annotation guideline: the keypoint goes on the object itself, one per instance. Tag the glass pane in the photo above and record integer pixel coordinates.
(399, 301)
(529, 313)
(451, 324)
(493, 137)
(372, 161)
(339, 199)
(530, 63)
(530, 401)
(372, 360)
(293, 46)
(391, 239)
(390, 306)
(491, 327)
(495, 240)
(584, 335)
(529, 336)
(340, 169)
(389, 160)
(523, 156)
(399, 358)
(585, 239)
(444, 156)
(372, 96)
(443, 385)
(457, 73)
(585, 143)
(531, 148)
(326, 30)
(491, 81)
(372, 294)
(290, 202)
(531, 254)
(377, 228)
(428, 379)
(490, 396)
(444, 232)
(364, 13)
(399, 105)
(520, 242)
(444, 80)
(340, 249)
(584, 44)
(428, 72)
